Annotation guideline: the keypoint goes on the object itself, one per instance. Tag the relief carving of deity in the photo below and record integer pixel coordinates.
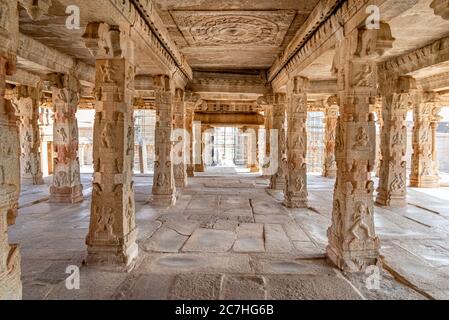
(362, 218)
(361, 139)
(108, 136)
(105, 223)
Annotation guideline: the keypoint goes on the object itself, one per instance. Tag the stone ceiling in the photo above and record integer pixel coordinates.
(233, 34)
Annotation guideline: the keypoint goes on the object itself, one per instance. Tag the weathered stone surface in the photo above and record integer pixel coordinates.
(165, 240)
(276, 239)
(249, 238)
(310, 288)
(208, 240)
(196, 287)
(243, 288)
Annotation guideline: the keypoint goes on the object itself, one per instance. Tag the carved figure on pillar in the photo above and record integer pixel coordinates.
(111, 242)
(164, 190)
(295, 193)
(353, 245)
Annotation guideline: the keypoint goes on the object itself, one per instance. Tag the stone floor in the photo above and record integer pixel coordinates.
(229, 238)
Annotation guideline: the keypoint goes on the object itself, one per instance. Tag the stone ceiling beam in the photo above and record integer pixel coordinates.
(36, 55)
(439, 82)
(230, 119)
(430, 55)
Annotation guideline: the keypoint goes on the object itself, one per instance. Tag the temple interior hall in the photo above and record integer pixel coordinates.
(224, 150)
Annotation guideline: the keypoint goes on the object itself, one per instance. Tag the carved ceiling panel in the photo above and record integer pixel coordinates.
(234, 28)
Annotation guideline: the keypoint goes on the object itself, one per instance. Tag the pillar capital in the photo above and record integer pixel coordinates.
(108, 42)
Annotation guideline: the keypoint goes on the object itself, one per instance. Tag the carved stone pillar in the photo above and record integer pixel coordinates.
(111, 242)
(423, 173)
(27, 104)
(268, 128)
(190, 101)
(377, 108)
(200, 167)
(278, 180)
(10, 283)
(353, 244)
(295, 193)
(66, 186)
(441, 8)
(398, 95)
(330, 119)
(164, 189)
(180, 148)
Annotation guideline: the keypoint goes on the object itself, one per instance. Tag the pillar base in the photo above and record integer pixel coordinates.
(254, 169)
(164, 201)
(180, 183)
(295, 203)
(66, 195)
(190, 171)
(199, 168)
(353, 256)
(10, 282)
(277, 183)
(116, 258)
(425, 182)
(391, 201)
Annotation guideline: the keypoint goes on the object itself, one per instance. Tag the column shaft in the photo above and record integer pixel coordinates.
(295, 193)
(393, 169)
(10, 283)
(27, 103)
(331, 119)
(66, 186)
(423, 173)
(278, 180)
(180, 138)
(164, 189)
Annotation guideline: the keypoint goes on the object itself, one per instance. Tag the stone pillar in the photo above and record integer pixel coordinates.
(353, 245)
(27, 104)
(200, 167)
(295, 193)
(10, 283)
(278, 180)
(66, 186)
(330, 120)
(197, 146)
(398, 95)
(423, 173)
(252, 136)
(111, 242)
(377, 108)
(190, 101)
(180, 138)
(268, 127)
(164, 189)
